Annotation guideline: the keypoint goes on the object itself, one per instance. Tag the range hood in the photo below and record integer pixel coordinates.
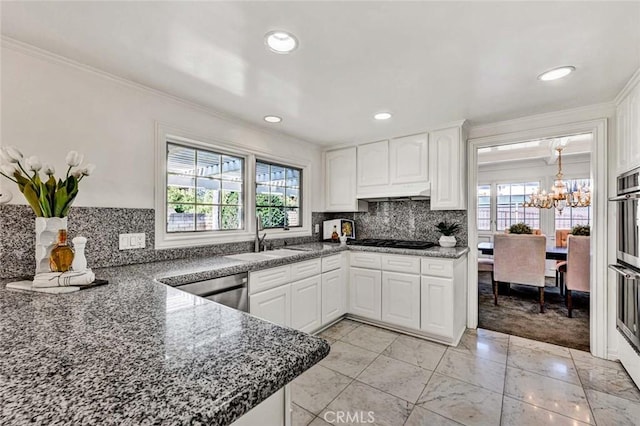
(397, 192)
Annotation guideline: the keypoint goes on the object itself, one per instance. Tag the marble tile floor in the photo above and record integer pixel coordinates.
(377, 377)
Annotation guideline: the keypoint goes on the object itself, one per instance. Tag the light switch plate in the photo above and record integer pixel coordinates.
(132, 241)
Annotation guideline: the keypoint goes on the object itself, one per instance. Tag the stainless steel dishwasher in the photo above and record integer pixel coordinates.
(230, 291)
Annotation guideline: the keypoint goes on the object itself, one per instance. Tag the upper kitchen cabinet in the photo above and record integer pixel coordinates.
(447, 167)
(628, 130)
(340, 181)
(394, 168)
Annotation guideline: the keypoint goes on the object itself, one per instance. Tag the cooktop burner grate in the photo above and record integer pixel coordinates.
(370, 242)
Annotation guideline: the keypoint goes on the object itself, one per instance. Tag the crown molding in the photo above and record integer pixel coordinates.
(34, 51)
(547, 119)
(633, 81)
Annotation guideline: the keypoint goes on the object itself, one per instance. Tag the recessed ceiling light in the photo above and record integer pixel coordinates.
(556, 73)
(272, 119)
(281, 41)
(382, 116)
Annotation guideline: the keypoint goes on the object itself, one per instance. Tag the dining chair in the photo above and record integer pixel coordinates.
(520, 259)
(578, 275)
(561, 265)
(486, 265)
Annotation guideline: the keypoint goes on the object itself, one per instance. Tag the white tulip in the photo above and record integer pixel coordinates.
(8, 169)
(49, 170)
(11, 154)
(33, 163)
(88, 169)
(77, 173)
(74, 159)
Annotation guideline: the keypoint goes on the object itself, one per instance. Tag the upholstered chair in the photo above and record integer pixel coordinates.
(578, 276)
(486, 265)
(519, 258)
(561, 265)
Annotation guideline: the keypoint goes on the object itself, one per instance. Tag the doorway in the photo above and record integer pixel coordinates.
(508, 176)
(598, 311)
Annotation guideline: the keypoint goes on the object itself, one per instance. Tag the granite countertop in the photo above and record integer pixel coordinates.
(138, 351)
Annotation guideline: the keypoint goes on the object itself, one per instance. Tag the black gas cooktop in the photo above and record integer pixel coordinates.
(418, 245)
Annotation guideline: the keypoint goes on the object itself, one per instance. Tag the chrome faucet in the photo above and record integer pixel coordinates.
(259, 242)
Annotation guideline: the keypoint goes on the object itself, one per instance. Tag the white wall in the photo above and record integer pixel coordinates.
(51, 106)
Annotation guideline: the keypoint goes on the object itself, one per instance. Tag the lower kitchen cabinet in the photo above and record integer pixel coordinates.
(437, 302)
(334, 296)
(401, 299)
(365, 293)
(306, 305)
(272, 305)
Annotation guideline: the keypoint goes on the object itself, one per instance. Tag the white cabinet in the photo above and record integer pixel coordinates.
(409, 159)
(365, 293)
(305, 269)
(443, 298)
(268, 278)
(436, 302)
(447, 166)
(628, 130)
(334, 296)
(306, 305)
(401, 299)
(272, 305)
(395, 168)
(361, 259)
(340, 181)
(373, 165)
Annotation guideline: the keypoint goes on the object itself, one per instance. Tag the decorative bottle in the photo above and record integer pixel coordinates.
(61, 255)
(334, 235)
(79, 263)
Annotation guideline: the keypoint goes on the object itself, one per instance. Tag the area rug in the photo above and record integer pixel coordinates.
(518, 313)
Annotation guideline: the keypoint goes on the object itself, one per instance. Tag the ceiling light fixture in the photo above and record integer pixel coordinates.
(272, 119)
(382, 116)
(281, 41)
(556, 73)
(561, 195)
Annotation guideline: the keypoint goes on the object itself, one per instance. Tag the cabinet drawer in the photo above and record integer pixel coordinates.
(330, 263)
(437, 267)
(366, 260)
(268, 278)
(406, 264)
(305, 269)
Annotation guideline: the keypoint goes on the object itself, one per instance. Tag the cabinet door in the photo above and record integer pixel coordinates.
(306, 313)
(272, 305)
(365, 293)
(334, 296)
(622, 135)
(447, 163)
(340, 180)
(633, 135)
(409, 159)
(436, 297)
(401, 299)
(373, 164)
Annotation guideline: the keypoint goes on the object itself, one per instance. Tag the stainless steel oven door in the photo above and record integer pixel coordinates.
(628, 317)
(629, 228)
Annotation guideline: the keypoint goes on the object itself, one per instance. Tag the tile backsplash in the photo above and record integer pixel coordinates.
(410, 220)
(403, 220)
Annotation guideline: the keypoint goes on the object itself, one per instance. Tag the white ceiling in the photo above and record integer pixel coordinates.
(574, 145)
(427, 62)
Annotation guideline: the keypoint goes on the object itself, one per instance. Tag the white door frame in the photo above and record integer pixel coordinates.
(598, 298)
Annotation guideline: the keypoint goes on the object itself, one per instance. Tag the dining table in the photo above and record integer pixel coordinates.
(553, 253)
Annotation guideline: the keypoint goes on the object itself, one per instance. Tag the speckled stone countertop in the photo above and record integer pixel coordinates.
(137, 351)
(140, 352)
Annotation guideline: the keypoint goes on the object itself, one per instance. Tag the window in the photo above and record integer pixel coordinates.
(278, 195)
(571, 217)
(484, 207)
(204, 190)
(510, 208)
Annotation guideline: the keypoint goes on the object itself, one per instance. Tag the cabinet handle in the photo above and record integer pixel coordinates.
(627, 273)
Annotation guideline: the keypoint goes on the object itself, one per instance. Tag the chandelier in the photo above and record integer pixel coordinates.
(560, 196)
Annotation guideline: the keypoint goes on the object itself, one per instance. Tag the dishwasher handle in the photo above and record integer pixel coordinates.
(216, 285)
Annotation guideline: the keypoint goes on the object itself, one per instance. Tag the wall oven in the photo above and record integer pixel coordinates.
(628, 255)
